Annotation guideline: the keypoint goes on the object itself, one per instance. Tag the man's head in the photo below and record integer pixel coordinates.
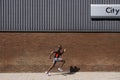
(60, 46)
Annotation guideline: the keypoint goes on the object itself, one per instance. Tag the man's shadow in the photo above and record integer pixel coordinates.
(72, 70)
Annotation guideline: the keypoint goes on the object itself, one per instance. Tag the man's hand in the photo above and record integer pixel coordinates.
(64, 50)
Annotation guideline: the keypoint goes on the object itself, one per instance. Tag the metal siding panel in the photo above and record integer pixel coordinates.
(1, 14)
(53, 15)
(106, 25)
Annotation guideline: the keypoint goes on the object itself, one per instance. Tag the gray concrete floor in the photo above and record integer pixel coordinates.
(62, 76)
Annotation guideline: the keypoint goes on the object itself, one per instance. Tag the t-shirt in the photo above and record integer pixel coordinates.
(58, 53)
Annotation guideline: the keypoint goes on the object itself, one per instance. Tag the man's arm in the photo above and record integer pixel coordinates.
(51, 54)
(64, 50)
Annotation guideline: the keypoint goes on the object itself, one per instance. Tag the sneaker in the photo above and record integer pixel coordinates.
(47, 73)
(60, 69)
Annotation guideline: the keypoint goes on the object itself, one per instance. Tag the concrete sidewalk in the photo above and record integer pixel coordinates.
(62, 76)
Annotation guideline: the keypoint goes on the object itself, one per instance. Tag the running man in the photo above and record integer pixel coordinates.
(57, 58)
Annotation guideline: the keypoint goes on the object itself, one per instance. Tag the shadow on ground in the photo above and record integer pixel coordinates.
(72, 70)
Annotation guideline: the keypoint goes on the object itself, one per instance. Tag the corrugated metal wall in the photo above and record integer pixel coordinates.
(105, 25)
(53, 15)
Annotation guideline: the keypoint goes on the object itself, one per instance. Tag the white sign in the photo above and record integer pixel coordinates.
(105, 10)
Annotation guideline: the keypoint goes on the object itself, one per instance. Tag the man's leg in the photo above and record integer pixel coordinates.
(51, 67)
(63, 62)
